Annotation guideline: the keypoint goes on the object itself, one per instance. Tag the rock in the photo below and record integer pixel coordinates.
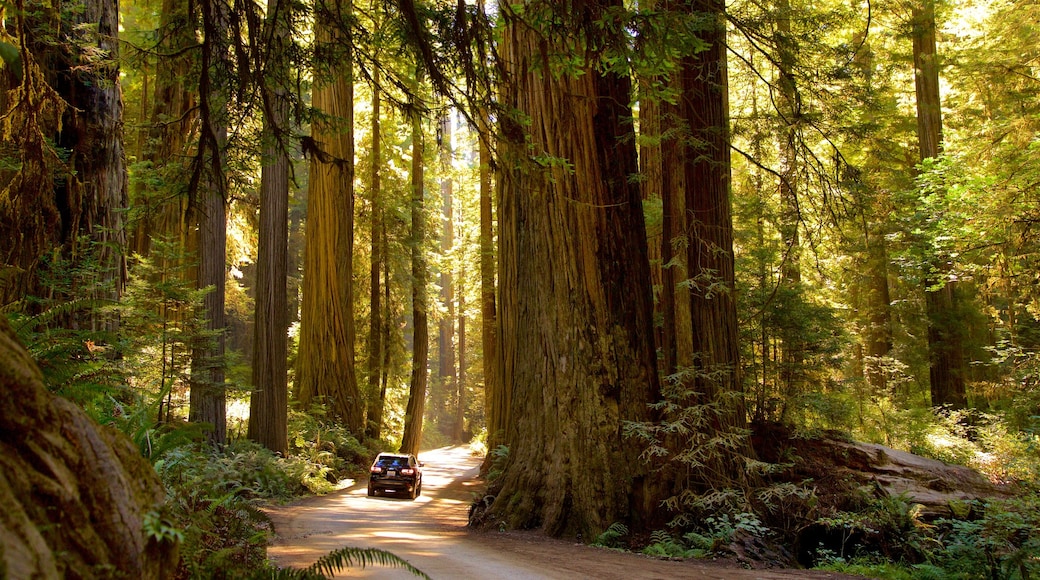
(837, 467)
(73, 494)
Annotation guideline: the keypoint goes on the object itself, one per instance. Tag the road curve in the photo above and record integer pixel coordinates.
(430, 534)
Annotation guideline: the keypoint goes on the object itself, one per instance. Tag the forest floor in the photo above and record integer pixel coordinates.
(431, 534)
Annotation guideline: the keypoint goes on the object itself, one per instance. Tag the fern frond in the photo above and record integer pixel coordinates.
(349, 556)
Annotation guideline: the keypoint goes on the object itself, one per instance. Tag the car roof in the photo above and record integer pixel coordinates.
(393, 456)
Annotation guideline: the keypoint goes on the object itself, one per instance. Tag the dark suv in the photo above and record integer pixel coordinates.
(395, 472)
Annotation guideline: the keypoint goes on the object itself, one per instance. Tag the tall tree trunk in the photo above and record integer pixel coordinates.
(714, 379)
(879, 333)
(458, 428)
(76, 495)
(414, 411)
(577, 347)
(496, 400)
(793, 354)
(375, 333)
(447, 378)
(946, 369)
(207, 402)
(709, 258)
(268, 403)
(325, 364)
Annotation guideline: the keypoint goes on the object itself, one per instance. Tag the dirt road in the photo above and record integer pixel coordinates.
(430, 533)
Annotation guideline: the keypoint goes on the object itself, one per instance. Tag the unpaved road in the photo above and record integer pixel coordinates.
(430, 534)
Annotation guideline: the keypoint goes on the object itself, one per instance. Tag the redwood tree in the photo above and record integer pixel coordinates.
(946, 368)
(576, 316)
(268, 404)
(416, 407)
(325, 364)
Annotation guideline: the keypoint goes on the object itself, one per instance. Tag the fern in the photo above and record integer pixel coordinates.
(338, 560)
(611, 538)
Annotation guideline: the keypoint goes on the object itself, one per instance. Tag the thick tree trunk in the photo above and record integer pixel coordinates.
(325, 364)
(207, 402)
(52, 203)
(374, 418)
(74, 495)
(415, 409)
(268, 404)
(946, 371)
(577, 348)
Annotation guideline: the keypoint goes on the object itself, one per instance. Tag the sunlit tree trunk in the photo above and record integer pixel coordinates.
(375, 333)
(325, 364)
(268, 404)
(576, 343)
(207, 402)
(459, 421)
(414, 411)
(946, 370)
(496, 407)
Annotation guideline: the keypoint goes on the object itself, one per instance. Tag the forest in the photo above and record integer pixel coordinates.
(657, 261)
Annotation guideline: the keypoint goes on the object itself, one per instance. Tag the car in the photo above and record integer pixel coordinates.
(395, 472)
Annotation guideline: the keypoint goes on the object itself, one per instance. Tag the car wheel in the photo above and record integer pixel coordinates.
(371, 491)
(418, 488)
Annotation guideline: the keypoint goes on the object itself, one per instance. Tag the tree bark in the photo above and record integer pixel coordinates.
(415, 409)
(325, 364)
(709, 256)
(577, 349)
(74, 495)
(268, 403)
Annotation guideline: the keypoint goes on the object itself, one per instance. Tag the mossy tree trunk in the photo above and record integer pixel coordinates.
(73, 495)
(577, 349)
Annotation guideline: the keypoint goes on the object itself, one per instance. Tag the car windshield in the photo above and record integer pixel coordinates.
(393, 462)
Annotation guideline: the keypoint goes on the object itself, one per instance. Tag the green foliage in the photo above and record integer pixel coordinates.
(613, 536)
(314, 440)
(1002, 544)
(499, 458)
(663, 544)
(338, 560)
(995, 539)
(212, 500)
